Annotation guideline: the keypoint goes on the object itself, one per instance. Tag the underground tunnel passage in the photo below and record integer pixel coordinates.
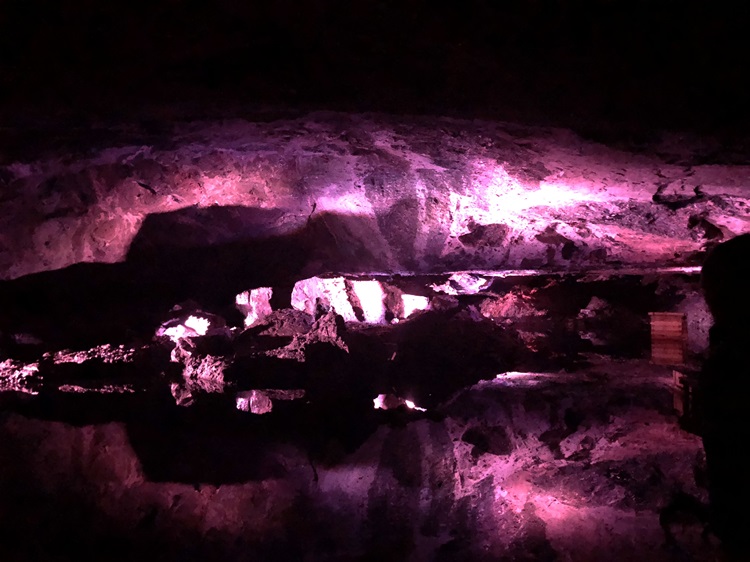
(307, 282)
(342, 337)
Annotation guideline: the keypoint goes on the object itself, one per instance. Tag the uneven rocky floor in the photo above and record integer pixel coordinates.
(545, 466)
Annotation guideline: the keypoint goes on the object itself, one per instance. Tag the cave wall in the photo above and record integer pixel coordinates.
(366, 193)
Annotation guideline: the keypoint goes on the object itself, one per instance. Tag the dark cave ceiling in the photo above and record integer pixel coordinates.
(604, 66)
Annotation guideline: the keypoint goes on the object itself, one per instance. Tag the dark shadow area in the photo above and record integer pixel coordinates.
(211, 441)
(722, 387)
(77, 409)
(611, 68)
(207, 255)
(55, 514)
(606, 315)
(439, 353)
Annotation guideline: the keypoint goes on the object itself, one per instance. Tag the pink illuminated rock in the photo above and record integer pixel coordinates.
(394, 194)
(392, 402)
(106, 353)
(505, 249)
(355, 300)
(261, 401)
(200, 375)
(192, 329)
(205, 374)
(413, 304)
(319, 294)
(18, 377)
(181, 394)
(577, 466)
(462, 283)
(254, 401)
(286, 322)
(596, 308)
(191, 324)
(328, 329)
(513, 304)
(255, 305)
(104, 389)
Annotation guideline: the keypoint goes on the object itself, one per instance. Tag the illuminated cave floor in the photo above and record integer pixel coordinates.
(551, 466)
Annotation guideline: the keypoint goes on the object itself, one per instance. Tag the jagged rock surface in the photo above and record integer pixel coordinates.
(418, 220)
(370, 193)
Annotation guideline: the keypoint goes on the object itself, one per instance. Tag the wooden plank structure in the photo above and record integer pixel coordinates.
(669, 347)
(668, 338)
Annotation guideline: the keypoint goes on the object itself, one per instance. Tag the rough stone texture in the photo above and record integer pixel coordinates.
(408, 258)
(531, 322)
(329, 329)
(17, 377)
(284, 323)
(316, 295)
(370, 301)
(254, 401)
(523, 467)
(142, 166)
(513, 304)
(105, 353)
(205, 374)
(369, 193)
(261, 401)
(255, 305)
(573, 452)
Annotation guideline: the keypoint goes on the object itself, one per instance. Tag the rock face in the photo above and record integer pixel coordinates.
(362, 193)
(521, 467)
(348, 336)
(255, 305)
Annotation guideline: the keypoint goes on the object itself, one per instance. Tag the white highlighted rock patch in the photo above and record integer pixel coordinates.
(371, 300)
(192, 326)
(462, 283)
(391, 402)
(414, 303)
(366, 301)
(316, 295)
(255, 305)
